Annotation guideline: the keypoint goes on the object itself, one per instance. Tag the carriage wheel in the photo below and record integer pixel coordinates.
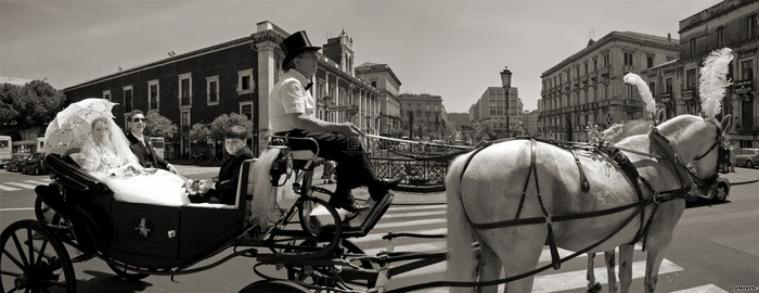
(126, 274)
(297, 273)
(34, 260)
(267, 286)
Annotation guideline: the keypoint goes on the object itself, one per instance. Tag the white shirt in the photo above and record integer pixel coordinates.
(288, 96)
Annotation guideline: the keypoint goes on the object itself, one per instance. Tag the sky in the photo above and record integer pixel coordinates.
(455, 49)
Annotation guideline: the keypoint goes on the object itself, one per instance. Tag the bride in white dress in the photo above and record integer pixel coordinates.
(106, 156)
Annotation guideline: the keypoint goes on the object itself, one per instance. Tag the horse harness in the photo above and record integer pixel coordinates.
(685, 176)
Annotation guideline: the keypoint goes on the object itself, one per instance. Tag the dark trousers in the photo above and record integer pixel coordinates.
(353, 166)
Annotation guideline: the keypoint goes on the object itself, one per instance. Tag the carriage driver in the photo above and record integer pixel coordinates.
(291, 113)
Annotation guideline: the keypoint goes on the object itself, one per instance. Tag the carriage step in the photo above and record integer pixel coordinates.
(357, 224)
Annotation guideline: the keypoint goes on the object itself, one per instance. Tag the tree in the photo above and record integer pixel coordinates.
(160, 126)
(199, 133)
(224, 121)
(29, 107)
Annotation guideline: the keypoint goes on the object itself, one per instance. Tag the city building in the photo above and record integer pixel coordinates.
(587, 87)
(234, 77)
(423, 116)
(382, 77)
(461, 125)
(732, 24)
(530, 122)
(499, 110)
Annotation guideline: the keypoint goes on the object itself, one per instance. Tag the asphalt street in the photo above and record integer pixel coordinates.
(714, 248)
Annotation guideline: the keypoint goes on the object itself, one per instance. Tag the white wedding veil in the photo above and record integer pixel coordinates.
(116, 142)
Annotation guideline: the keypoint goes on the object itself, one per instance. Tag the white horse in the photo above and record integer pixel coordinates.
(489, 190)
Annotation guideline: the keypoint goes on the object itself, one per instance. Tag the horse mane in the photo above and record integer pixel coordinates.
(679, 125)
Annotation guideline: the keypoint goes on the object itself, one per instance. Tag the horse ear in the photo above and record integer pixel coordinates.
(726, 121)
(660, 115)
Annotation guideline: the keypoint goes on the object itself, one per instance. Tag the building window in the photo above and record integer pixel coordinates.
(246, 108)
(747, 70)
(649, 61)
(245, 81)
(690, 79)
(184, 126)
(668, 85)
(374, 84)
(750, 26)
(595, 63)
(128, 101)
(107, 95)
(720, 37)
(212, 90)
(606, 59)
(652, 87)
(628, 59)
(185, 89)
(153, 95)
(693, 47)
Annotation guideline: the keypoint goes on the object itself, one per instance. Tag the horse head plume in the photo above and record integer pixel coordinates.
(644, 91)
(714, 80)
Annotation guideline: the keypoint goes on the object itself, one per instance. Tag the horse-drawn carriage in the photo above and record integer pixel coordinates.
(309, 239)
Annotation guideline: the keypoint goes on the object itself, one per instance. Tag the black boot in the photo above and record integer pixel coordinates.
(379, 188)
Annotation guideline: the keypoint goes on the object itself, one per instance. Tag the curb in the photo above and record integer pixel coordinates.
(744, 182)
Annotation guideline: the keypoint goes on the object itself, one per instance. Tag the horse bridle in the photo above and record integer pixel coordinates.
(704, 183)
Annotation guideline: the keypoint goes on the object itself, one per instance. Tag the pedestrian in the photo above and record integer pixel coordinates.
(328, 171)
(732, 157)
(291, 113)
(141, 146)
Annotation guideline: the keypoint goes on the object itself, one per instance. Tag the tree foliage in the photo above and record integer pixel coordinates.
(34, 104)
(224, 121)
(199, 133)
(158, 125)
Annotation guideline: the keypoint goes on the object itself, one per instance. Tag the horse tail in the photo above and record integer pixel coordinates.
(264, 211)
(461, 235)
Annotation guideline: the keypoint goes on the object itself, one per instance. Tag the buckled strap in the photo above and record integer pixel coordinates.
(583, 180)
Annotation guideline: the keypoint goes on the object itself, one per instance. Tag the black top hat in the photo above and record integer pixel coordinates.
(295, 44)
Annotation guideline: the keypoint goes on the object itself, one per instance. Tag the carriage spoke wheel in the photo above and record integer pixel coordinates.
(34, 260)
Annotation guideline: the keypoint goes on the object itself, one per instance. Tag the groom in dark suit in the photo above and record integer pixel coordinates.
(141, 146)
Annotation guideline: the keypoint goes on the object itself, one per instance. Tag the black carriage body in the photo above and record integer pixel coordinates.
(142, 235)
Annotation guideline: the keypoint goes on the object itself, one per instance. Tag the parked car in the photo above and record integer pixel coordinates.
(17, 162)
(747, 157)
(33, 164)
(719, 193)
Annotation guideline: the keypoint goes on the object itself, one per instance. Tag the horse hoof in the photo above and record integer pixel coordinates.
(596, 288)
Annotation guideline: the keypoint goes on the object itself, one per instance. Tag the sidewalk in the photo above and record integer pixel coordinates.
(743, 176)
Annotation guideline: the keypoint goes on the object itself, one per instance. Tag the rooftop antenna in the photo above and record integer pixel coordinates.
(591, 33)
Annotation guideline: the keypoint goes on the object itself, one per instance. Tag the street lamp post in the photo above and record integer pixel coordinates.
(506, 83)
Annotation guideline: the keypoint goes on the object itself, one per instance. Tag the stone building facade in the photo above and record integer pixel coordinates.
(732, 24)
(498, 110)
(234, 77)
(588, 87)
(382, 77)
(423, 116)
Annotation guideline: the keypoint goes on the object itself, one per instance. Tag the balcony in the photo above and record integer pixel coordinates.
(690, 93)
(743, 86)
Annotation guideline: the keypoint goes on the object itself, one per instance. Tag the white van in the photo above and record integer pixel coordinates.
(6, 150)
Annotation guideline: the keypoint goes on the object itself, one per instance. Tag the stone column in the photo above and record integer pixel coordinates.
(266, 79)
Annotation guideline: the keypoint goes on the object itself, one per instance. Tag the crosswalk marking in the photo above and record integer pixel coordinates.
(37, 182)
(378, 236)
(415, 208)
(22, 185)
(710, 288)
(417, 214)
(410, 223)
(425, 246)
(576, 279)
(8, 188)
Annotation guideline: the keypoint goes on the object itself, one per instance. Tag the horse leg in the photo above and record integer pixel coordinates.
(489, 268)
(625, 267)
(593, 286)
(611, 278)
(519, 250)
(654, 259)
(462, 264)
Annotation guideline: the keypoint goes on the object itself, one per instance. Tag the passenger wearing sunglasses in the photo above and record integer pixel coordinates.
(141, 146)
